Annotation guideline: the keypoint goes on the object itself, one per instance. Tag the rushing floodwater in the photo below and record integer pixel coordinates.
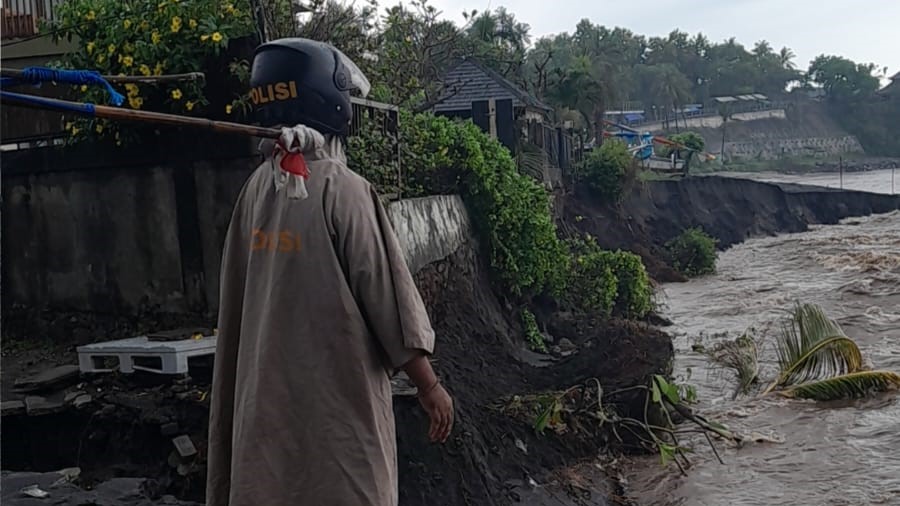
(878, 181)
(841, 453)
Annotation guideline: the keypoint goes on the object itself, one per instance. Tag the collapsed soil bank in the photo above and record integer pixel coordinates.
(731, 210)
(127, 428)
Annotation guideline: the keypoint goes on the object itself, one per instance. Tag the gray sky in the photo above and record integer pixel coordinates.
(862, 30)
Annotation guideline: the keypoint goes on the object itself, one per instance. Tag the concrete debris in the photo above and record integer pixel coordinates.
(71, 396)
(8, 408)
(36, 405)
(185, 446)
(61, 492)
(169, 429)
(82, 400)
(50, 378)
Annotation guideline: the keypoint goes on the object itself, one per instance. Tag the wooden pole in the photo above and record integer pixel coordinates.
(191, 76)
(841, 169)
(119, 114)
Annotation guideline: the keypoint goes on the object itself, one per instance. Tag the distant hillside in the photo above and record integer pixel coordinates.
(800, 129)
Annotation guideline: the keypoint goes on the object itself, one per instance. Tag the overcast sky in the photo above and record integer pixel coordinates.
(865, 31)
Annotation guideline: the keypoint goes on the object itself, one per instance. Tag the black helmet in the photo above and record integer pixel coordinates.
(304, 81)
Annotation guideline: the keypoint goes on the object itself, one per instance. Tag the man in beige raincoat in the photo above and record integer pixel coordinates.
(317, 309)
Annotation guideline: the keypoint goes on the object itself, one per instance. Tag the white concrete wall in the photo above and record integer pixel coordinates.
(430, 228)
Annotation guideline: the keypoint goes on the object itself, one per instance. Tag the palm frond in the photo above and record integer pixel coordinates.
(847, 386)
(741, 355)
(812, 346)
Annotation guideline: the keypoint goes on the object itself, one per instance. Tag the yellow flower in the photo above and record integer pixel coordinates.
(120, 58)
(155, 37)
(111, 48)
(145, 25)
(132, 89)
(90, 47)
(100, 59)
(69, 126)
(75, 131)
(126, 24)
(145, 70)
(204, 38)
(99, 128)
(128, 61)
(83, 87)
(158, 69)
(176, 94)
(229, 8)
(176, 24)
(135, 102)
(228, 109)
(90, 16)
(192, 23)
(217, 37)
(189, 105)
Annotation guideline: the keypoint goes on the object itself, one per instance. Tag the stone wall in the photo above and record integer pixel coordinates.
(107, 234)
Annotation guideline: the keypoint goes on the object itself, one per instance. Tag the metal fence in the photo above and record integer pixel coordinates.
(23, 18)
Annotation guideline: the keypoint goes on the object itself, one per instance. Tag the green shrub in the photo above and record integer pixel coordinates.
(533, 335)
(693, 253)
(147, 38)
(605, 168)
(608, 282)
(510, 211)
(634, 295)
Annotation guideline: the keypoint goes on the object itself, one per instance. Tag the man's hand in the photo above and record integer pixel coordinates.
(434, 399)
(439, 406)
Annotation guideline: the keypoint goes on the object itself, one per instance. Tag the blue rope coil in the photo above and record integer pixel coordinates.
(37, 75)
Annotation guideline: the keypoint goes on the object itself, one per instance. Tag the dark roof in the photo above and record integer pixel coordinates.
(470, 81)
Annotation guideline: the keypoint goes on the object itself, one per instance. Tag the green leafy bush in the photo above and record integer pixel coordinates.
(511, 211)
(533, 335)
(605, 168)
(147, 38)
(693, 253)
(608, 282)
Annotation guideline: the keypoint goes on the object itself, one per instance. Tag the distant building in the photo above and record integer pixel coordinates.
(474, 91)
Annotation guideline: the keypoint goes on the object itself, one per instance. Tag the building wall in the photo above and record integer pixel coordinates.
(107, 234)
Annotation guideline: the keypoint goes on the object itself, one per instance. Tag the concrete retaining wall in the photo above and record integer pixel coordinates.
(124, 238)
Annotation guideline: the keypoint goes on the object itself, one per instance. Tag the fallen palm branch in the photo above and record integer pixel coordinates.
(817, 360)
(742, 356)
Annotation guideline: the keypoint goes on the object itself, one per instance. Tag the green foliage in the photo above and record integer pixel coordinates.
(533, 335)
(693, 253)
(691, 140)
(607, 282)
(604, 169)
(147, 37)
(816, 360)
(843, 80)
(511, 211)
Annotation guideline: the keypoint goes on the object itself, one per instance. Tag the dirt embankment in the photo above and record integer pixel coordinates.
(729, 209)
(127, 426)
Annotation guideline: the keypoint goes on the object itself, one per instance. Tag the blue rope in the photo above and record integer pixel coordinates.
(85, 108)
(37, 75)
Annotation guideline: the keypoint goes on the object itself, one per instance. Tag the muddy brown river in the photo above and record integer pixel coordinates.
(806, 453)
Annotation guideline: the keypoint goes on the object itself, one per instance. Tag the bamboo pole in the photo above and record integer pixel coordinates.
(191, 76)
(116, 113)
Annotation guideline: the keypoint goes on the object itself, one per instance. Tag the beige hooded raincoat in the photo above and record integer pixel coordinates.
(317, 309)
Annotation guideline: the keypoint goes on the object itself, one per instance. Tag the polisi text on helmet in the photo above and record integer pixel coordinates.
(266, 93)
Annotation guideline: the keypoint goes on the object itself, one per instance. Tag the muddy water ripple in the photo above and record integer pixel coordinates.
(840, 453)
